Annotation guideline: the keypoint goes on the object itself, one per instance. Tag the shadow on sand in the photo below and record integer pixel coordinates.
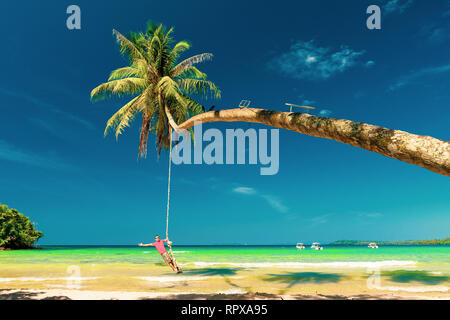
(6, 294)
(220, 296)
(214, 271)
(293, 278)
(267, 296)
(222, 272)
(406, 276)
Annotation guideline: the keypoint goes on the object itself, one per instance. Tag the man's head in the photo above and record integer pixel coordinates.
(157, 238)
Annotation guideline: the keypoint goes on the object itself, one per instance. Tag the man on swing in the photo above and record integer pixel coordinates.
(159, 244)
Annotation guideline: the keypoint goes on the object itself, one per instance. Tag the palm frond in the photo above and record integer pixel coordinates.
(132, 50)
(192, 72)
(117, 117)
(122, 73)
(179, 48)
(193, 107)
(181, 67)
(151, 27)
(126, 120)
(127, 117)
(170, 89)
(118, 88)
(198, 86)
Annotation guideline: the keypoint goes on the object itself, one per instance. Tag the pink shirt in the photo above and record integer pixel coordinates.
(160, 246)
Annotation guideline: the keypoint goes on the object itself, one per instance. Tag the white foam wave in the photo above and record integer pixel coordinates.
(182, 278)
(232, 291)
(439, 273)
(337, 264)
(29, 279)
(69, 286)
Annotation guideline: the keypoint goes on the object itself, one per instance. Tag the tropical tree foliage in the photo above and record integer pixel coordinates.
(16, 230)
(162, 89)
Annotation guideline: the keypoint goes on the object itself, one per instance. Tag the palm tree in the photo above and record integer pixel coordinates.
(162, 88)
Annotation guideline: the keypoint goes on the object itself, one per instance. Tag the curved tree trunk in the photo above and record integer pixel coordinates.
(172, 122)
(424, 151)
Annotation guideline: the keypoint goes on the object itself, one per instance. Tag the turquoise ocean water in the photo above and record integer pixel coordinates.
(431, 256)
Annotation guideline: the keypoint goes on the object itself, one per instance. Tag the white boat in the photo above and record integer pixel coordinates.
(316, 246)
(300, 246)
(373, 245)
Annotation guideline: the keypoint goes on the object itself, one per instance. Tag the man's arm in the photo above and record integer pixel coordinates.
(146, 245)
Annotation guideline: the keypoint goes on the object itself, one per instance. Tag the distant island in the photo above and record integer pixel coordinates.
(445, 241)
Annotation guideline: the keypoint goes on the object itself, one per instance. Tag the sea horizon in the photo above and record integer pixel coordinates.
(241, 245)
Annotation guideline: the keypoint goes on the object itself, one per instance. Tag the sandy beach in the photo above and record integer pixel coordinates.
(60, 294)
(129, 273)
(135, 282)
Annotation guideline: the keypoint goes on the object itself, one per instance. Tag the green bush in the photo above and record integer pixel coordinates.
(16, 230)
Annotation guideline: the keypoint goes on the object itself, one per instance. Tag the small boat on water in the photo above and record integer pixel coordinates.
(373, 245)
(316, 246)
(300, 246)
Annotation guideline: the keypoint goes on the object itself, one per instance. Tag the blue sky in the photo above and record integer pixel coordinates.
(82, 188)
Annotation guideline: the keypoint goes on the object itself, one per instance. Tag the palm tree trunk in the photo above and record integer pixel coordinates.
(172, 122)
(424, 151)
(145, 127)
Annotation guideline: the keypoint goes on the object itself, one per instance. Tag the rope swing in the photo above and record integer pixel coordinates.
(168, 201)
(168, 183)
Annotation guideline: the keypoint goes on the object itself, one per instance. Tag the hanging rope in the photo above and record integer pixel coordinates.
(168, 184)
(168, 203)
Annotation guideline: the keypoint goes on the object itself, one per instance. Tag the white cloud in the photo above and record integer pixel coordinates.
(396, 6)
(33, 100)
(273, 201)
(11, 153)
(436, 33)
(325, 112)
(244, 190)
(407, 79)
(307, 102)
(320, 219)
(359, 94)
(46, 126)
(370, 214)
(370, 63)
(305, 60)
